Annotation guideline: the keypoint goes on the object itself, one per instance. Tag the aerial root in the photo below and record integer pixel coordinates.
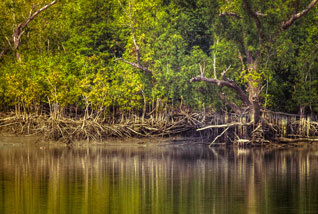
(236, 129)
(67, 130)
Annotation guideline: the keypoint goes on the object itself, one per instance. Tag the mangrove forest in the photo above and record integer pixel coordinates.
(229, 71)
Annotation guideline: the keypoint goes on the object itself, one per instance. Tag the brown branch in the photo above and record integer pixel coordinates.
(20, 28)
(221, 83)
(136, 65)
(19, 31)
(286, 24)
(33, 15)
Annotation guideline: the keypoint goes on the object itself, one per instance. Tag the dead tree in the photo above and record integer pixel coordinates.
(15, 40)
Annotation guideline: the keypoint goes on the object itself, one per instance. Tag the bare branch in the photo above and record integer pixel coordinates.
(133, 29)
(225, 125)
(260, 14)
(221, 83)
(214, 66)
(136, 65)
(202, 68)
(134, 39)
(19, 31)
(133, 35)
(286, 24)
(224, 72)
(233, 106)
(214, 59)
(235, 15)
(230, 14)
(219, 136)
(33, 15)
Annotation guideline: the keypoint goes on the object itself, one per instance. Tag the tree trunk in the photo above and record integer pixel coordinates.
(253, 87)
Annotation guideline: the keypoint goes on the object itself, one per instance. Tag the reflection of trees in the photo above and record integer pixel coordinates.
(157, 180)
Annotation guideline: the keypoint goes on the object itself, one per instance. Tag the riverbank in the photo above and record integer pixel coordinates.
(68, 130)
(215, 129)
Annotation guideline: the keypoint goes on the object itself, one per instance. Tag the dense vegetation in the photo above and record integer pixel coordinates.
(116, 57)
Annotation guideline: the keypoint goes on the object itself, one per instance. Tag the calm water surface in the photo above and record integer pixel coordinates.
(43, 178)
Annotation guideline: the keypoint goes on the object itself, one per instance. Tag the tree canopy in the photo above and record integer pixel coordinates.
(117, 55)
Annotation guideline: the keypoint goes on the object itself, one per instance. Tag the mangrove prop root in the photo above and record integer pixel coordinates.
(215, 139)
(67, 130)
(234, 128)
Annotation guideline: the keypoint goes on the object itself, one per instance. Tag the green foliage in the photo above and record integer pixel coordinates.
(69, 51)
(293, 71)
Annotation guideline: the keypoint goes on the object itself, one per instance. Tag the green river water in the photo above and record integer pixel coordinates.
(155, 178)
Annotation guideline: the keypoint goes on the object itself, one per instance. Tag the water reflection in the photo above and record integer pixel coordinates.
(157, 179)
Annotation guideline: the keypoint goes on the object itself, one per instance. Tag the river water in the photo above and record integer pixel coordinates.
(163, 178)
